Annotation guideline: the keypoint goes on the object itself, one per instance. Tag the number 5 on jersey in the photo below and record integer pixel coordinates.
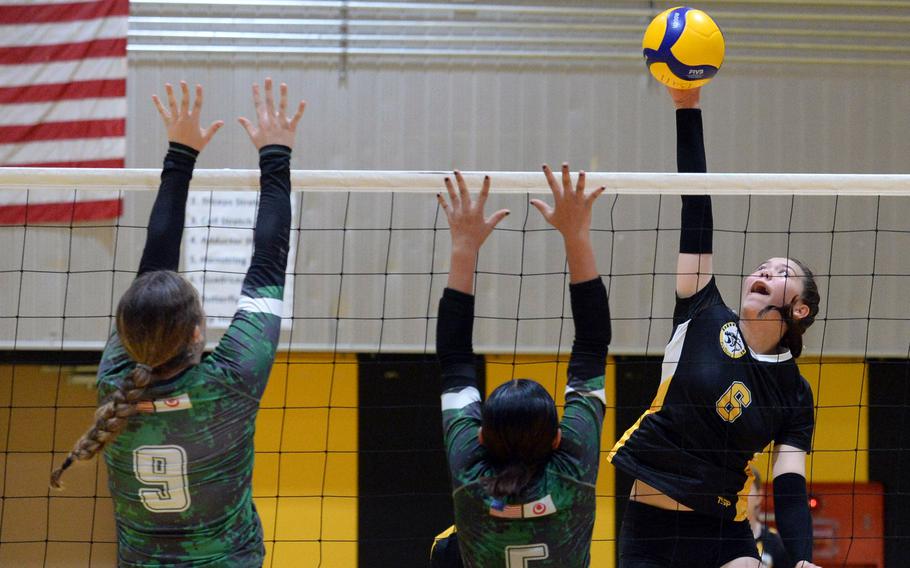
(164, 468)
(521, 556)
(731, 404)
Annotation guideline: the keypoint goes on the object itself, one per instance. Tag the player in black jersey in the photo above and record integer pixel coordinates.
(729, 387)
(523, 482)
(177, 428)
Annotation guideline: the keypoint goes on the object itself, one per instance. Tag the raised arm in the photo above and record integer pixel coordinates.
(186, 141)
(571, 216)
(248, 347)
(274, 137)
(585, 394)
(469, 229)
(694, 268)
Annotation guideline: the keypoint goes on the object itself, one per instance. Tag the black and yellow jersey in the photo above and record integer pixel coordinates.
(718, 404)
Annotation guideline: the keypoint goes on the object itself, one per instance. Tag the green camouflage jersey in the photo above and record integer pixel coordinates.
(551, 523)
(180, 473)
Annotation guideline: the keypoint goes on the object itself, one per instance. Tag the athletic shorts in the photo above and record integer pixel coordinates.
(658, 538)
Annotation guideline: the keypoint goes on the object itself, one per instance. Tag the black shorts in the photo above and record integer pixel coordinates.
(657, 538)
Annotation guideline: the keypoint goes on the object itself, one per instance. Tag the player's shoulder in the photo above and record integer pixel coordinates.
(802, 390)
(208, 374)
(795, 380)
(712, 314)
(566, 473)
(108, 382)
(707, 295)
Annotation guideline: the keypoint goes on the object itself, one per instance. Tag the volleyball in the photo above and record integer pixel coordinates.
(683, 47)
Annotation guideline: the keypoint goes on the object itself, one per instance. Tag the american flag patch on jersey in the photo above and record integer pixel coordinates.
(503, 511)
(179, 402)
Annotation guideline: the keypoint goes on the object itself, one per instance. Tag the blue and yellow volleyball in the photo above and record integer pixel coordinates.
(683, 47)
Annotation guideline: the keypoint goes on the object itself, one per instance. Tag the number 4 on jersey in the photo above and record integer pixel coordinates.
(521, 556)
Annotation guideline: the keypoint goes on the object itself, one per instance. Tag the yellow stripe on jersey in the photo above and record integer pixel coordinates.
(656, 405)
(667, 370)
(742, 501)
(441, 536)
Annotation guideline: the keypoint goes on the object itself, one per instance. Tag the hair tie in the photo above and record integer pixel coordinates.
(144, 367)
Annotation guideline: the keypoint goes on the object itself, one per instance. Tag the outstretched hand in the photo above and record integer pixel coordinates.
(274, 127)
(181, 123)
(571, 210)
(467, 223)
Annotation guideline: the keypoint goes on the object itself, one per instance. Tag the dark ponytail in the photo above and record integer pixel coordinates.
(793, 336)
(156, 322)
(519, 425)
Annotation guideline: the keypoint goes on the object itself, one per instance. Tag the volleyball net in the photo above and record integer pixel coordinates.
(349, 465)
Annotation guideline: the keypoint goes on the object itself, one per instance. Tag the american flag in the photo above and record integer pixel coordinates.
(62, 100)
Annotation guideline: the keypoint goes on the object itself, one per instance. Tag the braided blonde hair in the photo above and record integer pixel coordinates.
(157, 318)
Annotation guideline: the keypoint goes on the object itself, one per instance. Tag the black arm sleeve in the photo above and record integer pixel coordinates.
(690, 142)
(271, 236)
(454, 340)
(791, 512)
(591, 314)
(162, 245)
(697, 219)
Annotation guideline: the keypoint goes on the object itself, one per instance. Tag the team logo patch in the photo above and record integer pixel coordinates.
(731, 341)
(179, 402)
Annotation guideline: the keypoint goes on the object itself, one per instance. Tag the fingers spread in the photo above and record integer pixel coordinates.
(171, 101)
(551, 180)
(566, 178)
(451, 189)
(247, 125)
(580, 185)
(543, 207)
(210, 132)
(269, 97)
(185, 99)
(197, 106)
(463, 192)
(495, 218)
(161, 110)
(484, 192)
(283, 102)
(442, 202)
(300, 108)
(257, 99)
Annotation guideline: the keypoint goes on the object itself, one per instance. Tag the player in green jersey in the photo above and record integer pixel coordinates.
(177, 428)
(523, 481)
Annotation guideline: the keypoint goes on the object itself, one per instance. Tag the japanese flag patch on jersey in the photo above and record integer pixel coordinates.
(179, 402)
